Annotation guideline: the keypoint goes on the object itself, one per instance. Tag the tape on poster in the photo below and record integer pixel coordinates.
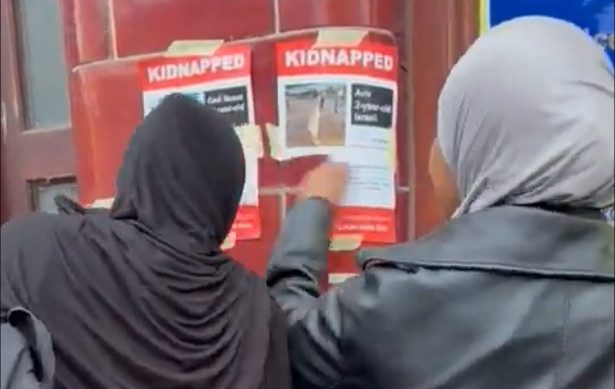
(251, 137)
(273, 135)
(338, 278)
(345, 242)
(103, 203)
(229, 242)
(186, 48)
(340, 37)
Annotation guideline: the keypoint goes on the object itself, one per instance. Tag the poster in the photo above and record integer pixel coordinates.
(342, 102)
(596, 17)
(221, 81)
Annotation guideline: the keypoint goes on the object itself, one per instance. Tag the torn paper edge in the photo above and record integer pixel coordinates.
(345, 242)
(340, 37)
(185, 48)
(103, 203)
(251, 137)
(338, 278)
(273, 136)
(229, 241)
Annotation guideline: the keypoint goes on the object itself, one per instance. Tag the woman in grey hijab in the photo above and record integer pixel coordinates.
(516, 290)
(530, 124)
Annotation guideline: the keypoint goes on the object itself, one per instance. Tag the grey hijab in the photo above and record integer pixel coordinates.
(526, 117)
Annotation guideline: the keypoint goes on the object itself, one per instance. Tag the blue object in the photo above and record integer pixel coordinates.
(593, 16)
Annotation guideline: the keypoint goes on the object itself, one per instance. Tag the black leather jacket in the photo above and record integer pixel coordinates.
(510, 297)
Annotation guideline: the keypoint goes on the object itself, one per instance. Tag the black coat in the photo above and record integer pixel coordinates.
(510, 297)
(142, 296)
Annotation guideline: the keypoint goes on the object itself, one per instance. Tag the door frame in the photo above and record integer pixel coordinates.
(29, 155)
(441, 31)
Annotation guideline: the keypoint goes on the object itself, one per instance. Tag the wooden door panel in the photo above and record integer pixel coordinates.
(33, 155)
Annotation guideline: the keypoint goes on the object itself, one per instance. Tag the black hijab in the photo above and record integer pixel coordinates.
(141, 296)
(182, 177)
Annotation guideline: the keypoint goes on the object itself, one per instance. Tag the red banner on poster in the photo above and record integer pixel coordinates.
(372, 224)
(227, 62)
(247, 223)
(370, 59)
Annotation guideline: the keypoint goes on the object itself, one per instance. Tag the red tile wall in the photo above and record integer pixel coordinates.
(104, 39)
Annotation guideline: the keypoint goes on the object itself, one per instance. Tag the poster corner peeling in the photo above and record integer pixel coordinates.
(276, 150)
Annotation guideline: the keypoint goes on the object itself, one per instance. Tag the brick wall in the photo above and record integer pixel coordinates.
(105, 38)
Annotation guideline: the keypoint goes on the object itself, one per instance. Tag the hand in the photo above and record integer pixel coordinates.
(328, 181)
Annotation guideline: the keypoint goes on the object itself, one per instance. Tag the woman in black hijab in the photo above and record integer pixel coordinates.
(142, 296)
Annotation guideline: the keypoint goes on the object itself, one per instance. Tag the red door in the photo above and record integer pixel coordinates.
(37, 148)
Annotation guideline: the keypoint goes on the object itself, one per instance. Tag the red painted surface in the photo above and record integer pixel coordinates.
(106, 100)
(297, 14)
(106, 97)
(253, 254)
(108, 109)
(442, 30)
(143, 26)
(86, 33)
(403, 133)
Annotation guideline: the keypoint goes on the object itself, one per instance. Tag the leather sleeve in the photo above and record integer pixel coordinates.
(317, 323)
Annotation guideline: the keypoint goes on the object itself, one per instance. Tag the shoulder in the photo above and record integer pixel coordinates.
(255, 283)
(28, 247)
(36, 223)
(35, 234)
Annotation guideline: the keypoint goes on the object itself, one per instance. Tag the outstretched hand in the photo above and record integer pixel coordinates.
(328, 181)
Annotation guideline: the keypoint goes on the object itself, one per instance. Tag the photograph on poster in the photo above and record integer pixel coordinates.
(316, 114)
